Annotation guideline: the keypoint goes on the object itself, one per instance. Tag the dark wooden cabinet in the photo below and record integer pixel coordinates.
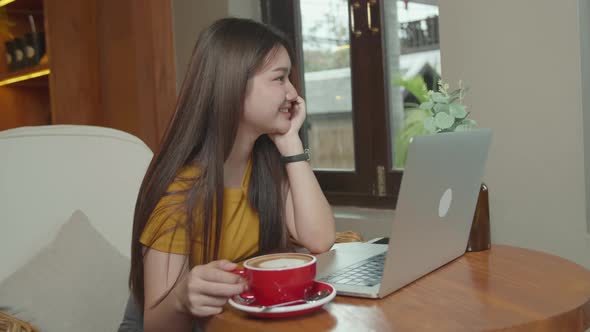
(111, 64)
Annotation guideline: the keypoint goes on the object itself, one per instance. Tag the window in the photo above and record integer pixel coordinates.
(352, 55)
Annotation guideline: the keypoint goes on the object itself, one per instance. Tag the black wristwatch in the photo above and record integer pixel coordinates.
(305, 156)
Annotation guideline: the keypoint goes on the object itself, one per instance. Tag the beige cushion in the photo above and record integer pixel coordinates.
(77, 283)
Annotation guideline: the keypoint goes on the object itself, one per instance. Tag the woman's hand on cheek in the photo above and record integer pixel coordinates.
(289, 143)
(298, 114)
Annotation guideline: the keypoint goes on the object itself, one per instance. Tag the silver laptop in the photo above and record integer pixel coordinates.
(432, 221)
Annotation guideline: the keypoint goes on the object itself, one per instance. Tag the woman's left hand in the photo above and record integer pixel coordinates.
(289, 143)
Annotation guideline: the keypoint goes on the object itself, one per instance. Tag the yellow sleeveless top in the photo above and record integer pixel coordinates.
(239, 232)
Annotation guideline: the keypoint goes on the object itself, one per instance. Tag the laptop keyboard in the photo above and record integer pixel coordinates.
(364, 273)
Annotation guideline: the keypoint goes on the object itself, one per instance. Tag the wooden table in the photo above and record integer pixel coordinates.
(504, 288)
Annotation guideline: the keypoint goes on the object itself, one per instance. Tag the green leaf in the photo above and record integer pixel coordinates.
(466, 125)
(443, 120)
(416, 86)
(452, 99)
(439, 107)
(427, 105)
(469, 122)
(463, 128)
(457, 110)
(416, 115)
(439, 97)
(413, 125)
(411, 105)
(455, 93)
(430, 125)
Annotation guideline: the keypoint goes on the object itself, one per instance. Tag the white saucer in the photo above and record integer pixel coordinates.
(287, 311)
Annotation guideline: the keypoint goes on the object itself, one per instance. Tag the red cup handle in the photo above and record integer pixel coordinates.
(245, 295)
(240, 272)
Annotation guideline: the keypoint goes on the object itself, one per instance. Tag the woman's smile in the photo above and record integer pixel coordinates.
(286, 112)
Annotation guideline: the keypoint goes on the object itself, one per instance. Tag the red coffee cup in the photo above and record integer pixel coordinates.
(278, 278)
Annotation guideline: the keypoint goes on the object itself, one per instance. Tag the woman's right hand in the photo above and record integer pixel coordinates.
(205, 289)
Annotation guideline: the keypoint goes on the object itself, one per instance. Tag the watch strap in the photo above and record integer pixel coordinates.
(305, 156)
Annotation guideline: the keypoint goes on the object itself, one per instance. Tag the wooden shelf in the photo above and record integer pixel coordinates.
(24, 93)
(24, 6)
(20, 13)
(32, 76)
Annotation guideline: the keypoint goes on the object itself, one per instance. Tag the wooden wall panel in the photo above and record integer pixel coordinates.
(137, 73)
(161, 78)
(118, 72)
(73, 54)
(24, 106)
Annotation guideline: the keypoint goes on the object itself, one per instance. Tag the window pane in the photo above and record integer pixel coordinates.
(412, 56)
(326, 57)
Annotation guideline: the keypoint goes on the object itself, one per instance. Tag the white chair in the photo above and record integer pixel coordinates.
(48, 172)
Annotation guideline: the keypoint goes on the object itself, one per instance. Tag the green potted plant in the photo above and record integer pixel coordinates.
(437, 112)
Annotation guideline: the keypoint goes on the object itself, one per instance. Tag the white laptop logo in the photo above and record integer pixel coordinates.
(445, 203)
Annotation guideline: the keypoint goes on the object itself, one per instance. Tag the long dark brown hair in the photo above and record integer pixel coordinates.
(202, 132)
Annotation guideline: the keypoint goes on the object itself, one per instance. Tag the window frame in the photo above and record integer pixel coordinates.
(372, 139)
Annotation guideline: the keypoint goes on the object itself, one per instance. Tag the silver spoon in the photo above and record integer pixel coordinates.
(310, 298)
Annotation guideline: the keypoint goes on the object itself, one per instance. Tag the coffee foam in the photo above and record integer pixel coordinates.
(279, 261)
(282, 262)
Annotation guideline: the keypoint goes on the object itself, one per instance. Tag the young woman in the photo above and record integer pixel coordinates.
(231, 180)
